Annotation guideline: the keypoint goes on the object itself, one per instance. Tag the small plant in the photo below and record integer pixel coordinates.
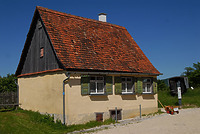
(160, 112)
(153, 114)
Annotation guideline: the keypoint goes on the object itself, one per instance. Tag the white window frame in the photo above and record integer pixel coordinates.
(97, 81)
(126, 84)
(145, 90)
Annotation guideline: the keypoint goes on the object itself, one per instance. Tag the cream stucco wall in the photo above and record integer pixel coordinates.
(43, 93)
(81, 109)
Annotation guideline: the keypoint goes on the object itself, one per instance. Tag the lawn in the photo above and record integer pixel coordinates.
(190, 99)
(28, 122)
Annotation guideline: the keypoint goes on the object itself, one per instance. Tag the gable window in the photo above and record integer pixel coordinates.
(147, 85)
(41, 52)
(127, 85)
(97, 85)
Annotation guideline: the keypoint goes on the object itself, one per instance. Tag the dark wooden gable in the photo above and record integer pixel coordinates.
(33, 61)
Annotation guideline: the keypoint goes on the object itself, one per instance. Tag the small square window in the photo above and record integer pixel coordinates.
(113, 114)
(99, 117)
(41, 52)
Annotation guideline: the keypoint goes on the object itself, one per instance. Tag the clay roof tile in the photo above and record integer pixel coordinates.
(82, 43)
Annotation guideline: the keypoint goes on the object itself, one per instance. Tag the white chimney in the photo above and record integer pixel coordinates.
(102, 17)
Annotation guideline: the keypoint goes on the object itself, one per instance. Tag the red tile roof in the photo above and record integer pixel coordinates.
(82, 43)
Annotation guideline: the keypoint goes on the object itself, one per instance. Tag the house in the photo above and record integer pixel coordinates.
(80, 69)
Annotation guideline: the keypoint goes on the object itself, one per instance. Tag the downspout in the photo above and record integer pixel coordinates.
(17, 91)
(68, 76)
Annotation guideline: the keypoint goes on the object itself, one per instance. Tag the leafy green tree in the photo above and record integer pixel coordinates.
(8, 83)
(162, 85)
(193, 74)
(188, 71)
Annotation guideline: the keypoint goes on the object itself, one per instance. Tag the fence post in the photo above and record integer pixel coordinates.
(140, 111)
(115, 114)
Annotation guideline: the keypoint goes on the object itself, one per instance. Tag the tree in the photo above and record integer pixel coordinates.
(193, 74)
(8, 83)
(162, 85)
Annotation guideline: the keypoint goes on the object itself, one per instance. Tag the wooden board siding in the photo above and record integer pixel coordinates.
(33, 61)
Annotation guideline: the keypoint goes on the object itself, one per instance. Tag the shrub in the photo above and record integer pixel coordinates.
(162, 85)
(8, 83)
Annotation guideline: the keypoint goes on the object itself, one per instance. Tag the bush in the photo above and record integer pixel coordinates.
(8, 83)
(162, 85)
(193, 74)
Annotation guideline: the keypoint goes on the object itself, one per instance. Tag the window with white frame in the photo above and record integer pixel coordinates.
(97, 85)
(127, 85)
(147, 85)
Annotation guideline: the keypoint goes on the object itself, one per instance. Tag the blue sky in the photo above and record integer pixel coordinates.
(168, 31)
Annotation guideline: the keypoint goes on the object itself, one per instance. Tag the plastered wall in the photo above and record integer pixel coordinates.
(81, 109)
(43, 93)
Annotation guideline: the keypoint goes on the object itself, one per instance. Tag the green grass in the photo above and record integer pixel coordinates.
(190, 99)
(29, 122)
(153, 114)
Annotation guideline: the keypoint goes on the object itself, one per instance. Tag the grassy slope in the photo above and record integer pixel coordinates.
(23, 122)
(28, 122)
(190, 98)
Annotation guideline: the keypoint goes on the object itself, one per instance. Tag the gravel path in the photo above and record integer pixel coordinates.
(186, 122)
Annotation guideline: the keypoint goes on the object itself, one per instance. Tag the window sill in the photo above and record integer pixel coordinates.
(148, 93)
(127, 93)
(97, 94)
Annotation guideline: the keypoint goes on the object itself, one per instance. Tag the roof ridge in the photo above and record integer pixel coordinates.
(77, 17)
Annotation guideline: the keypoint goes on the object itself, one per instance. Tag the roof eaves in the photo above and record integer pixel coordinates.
(113, 73)
(89, 71)
(41, 72)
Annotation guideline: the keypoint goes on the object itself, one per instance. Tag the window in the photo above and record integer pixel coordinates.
(127, 85)
(113, 114)
(41, 52)
(91, 84)
(147, 86)
(97, 85)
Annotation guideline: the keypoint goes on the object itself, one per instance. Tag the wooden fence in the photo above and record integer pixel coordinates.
(8, 99)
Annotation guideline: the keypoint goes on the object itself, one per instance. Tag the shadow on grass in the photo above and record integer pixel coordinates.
(8, 109)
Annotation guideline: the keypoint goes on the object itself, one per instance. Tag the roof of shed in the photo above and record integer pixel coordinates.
(88, 44)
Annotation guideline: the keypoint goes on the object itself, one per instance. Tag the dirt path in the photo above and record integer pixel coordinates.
(186, 122)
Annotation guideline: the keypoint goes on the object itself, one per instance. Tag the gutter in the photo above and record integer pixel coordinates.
(115, 73)
(68, 76)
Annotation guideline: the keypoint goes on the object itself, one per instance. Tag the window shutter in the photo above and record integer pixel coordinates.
(154, 85)
(139, 86)
(109, 85)
(118, 85)
(85, 84)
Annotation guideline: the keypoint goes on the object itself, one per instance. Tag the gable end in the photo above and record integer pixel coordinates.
(31, 60)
